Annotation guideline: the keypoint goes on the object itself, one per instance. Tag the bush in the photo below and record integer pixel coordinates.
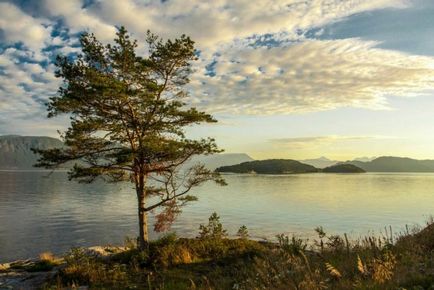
(243, 233)
(213, 230)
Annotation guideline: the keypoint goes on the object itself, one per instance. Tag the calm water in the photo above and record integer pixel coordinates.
(40, 213)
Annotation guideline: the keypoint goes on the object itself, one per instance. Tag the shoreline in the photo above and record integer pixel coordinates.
(336, 261)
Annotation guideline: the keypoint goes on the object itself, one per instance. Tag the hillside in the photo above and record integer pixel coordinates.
(395, 164)
(343, 168)
(15, 151)
(270, 166)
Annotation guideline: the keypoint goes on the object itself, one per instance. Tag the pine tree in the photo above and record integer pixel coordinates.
(128, 119)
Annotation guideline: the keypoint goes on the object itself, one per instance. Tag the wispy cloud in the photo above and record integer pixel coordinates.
(316, 141)
(312, 75)
(209, 23)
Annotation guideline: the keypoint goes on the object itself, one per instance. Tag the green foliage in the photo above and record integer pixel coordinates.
(130, 243)
(83, 269)
(293, 246)
(243, 233)
(214, 229)
(343, 168)
(271, 166)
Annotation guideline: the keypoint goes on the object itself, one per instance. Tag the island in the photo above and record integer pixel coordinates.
(269, 166)
(343, 168)
(285, 166)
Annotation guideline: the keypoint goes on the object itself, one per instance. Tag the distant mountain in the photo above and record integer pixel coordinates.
(15, 150)
(223, 159)
(364, 159)
(321, 162)
(15, 153)
(343, 168)
(395, 164)
(270, 166)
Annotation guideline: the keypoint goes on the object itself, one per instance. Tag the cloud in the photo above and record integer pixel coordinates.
(310, 75)
(261, 60)
(317, 141)
(78, 18)
(24, 85)
(222, 21)
(18, 26)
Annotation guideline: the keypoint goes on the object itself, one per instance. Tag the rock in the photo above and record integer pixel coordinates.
(20, 279)
(104, 251)
(20, 274)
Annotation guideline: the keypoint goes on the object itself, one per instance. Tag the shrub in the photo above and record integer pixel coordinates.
(214, 229)
(243, 233)
(295, 246)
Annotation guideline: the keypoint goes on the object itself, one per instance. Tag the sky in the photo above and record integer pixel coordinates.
(286, 79)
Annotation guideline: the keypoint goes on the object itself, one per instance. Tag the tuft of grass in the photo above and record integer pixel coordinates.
(47, 256)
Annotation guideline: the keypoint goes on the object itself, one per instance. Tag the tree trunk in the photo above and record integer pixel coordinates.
(143, 223)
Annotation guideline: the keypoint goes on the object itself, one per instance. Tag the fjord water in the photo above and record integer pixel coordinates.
(45, 212)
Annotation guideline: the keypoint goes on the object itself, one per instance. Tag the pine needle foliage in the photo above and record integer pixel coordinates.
(128, 118)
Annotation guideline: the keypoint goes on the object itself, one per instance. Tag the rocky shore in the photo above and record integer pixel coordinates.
(34, 273)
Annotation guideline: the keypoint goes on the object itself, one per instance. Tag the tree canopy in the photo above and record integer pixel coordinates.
(128, 118)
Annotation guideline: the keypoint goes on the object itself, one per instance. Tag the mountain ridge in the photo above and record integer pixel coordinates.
(395, 164)
(16, 154)
(320, 162)
(15, 150)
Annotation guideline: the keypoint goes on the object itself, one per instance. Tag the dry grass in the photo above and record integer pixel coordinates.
(403, 261)
(47, 257)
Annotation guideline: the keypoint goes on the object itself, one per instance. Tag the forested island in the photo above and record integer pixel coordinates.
(343, 168)
(270, 166)
(285, 166)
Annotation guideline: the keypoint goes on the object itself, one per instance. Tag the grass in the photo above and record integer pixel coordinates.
(215, 262)
(46, 262)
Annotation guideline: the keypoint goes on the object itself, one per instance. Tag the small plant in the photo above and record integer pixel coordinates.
(321, 234)
(214, 229)
(167, 239)
(333, 242)
(333, 271)
(83, 269)
(243, 233)
(47, 256)
(295, 246)
(46, 262)
(130, 243)
(320, 231)
(382, 268)
(361, 266)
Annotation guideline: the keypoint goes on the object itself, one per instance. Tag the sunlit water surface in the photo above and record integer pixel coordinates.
(40, 213)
